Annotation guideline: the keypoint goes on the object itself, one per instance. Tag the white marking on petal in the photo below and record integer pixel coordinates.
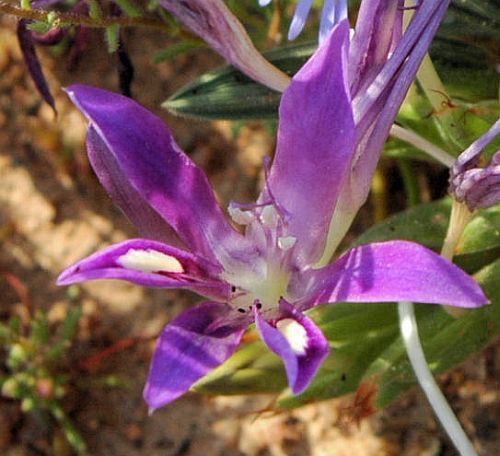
(150, 261)
(241, 217)
(269, 217)
(295, 334)
(286, 242)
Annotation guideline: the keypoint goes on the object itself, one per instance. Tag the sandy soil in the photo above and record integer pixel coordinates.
(53, 212)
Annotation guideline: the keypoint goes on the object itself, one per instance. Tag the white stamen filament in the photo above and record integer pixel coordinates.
(150, 261)
(295, 334)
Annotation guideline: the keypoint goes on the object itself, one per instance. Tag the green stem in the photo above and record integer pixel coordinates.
(459, 218)
(59, 18)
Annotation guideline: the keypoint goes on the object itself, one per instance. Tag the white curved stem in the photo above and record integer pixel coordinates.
(421, 143)
(450, 423)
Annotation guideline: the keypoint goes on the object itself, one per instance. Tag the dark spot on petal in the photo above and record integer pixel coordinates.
(233, 289)
(241, 310)
(258, 305)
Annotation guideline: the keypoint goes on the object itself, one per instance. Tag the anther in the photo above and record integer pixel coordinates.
(286, 242)
(241, 310)
(241, 217)
(269, 216)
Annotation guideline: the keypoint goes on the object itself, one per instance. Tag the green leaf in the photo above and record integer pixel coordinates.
(129, 7)
(225, 93)
(252, 369)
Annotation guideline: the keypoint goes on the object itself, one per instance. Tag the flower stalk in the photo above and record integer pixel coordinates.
(421, 143)
(443, 411)
(58, 18)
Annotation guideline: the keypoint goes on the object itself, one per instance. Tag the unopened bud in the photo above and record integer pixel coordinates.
(476, 186)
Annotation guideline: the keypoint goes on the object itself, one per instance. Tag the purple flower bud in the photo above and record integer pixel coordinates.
(478, 186)
(26, 43)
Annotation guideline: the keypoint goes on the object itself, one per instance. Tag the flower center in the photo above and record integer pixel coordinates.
(265, 284)
(266, 279)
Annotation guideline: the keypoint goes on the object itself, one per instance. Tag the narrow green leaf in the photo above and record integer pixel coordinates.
(225, 93)
(112, 37)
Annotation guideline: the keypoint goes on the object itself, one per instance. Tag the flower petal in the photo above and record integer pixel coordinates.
(151, 264)
(299, 18)
(148, 222)
(387, 272)
(220, 28)
(148, 157)
(191, 345)
(26, 43)
(315, 144)
(371, 41)
(298, 341)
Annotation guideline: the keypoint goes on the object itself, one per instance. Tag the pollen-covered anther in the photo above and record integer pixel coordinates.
(150, 261)
(295, 334)
(286, 242)
(241, 217)
(269, 216)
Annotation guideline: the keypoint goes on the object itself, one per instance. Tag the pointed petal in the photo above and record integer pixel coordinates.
(315, 144)
(371, 41)
(189, 347)
(327, 20)
(141, 146)
(27, 46)
(298, 341)
(149, 223)
(387, 272)
(218, 26)
(299, 18)
(151, 264)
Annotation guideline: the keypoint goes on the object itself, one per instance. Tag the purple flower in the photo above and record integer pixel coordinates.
(266, 275)
(332, 13)
(473, 184)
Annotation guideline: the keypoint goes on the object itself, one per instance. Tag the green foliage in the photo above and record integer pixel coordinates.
(33, 376)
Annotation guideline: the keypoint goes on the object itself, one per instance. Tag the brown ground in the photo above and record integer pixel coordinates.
(53, 212)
